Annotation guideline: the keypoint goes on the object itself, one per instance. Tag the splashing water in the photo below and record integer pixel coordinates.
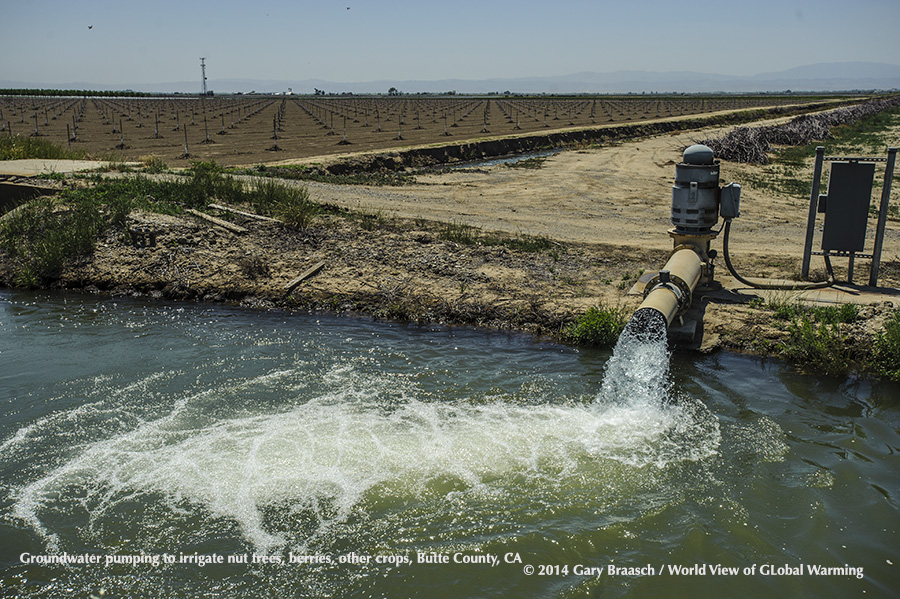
(638, 372)
(302, 467)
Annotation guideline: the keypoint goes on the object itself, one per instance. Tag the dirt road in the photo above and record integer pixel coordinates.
(618, 194)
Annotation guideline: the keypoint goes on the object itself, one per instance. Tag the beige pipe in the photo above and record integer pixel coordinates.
(673, 296)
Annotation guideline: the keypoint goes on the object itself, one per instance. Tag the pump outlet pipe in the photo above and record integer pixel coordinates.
(670, 291)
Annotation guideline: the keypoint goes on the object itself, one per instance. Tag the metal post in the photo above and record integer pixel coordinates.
(882, 216)
(813, 205)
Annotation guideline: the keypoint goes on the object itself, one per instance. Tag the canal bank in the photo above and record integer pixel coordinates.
(528, 248)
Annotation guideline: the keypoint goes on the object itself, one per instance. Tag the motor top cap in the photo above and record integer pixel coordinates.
(698, 154)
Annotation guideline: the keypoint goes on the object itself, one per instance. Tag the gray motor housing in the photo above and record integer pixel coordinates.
(695, 195)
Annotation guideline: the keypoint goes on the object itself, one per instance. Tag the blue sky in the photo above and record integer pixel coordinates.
(152, 41)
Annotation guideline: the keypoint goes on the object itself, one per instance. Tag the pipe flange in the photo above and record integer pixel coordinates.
(679, 288)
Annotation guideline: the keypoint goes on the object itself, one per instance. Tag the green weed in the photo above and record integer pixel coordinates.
(42, 236)
(19, 148)
(821, 347)
(289, 203)
(600, 326)
(886, 351)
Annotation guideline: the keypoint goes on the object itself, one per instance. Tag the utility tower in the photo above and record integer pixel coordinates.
(203, 73)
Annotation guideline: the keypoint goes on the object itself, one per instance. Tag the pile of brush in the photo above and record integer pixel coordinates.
(752, 144)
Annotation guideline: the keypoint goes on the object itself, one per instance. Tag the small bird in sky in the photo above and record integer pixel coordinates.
(90, 26)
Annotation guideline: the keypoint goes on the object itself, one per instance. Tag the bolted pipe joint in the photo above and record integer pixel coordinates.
(670, 291)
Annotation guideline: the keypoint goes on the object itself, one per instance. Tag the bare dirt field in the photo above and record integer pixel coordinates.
(249, 130)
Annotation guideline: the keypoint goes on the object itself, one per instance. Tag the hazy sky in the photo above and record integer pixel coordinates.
(122, 42)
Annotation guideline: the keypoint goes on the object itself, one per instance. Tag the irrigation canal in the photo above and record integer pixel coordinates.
(268, 454)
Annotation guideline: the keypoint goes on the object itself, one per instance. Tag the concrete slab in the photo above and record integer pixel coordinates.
(34, 167)
(840, 293)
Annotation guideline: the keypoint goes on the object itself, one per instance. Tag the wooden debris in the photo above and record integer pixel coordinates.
(243, 213)
(305, 275)
(217, 221)
(752, 144)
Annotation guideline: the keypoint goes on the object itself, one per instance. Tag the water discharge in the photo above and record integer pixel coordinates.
(195, 430)
(323, 455)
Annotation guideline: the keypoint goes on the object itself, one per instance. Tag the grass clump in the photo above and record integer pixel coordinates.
(154, 164)
(459, 233)
(124, 194)
(886, 351)
(43, 235)
(843, 314)
(600, 326)
(208, 181)
(793, 310)
(20, 148)
(527, 243)
(205, 182)
(288, 203)
(528, 163)
(368, 220)
(817, 337)
(468, 235)
(820, 346)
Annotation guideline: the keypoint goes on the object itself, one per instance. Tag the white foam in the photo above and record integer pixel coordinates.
(326, 455)
(325, 444)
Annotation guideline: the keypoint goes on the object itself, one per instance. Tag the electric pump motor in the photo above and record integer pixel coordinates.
(695, 195)
(697, 203)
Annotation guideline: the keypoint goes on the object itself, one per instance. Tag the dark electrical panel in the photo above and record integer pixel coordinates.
(847, 206)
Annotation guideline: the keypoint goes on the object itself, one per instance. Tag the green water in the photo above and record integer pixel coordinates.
(158, 440)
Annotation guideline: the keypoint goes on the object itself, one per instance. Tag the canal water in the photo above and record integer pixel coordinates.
(511, 160)
(178, 450)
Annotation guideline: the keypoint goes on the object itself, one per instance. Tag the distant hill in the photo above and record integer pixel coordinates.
(822, 77)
